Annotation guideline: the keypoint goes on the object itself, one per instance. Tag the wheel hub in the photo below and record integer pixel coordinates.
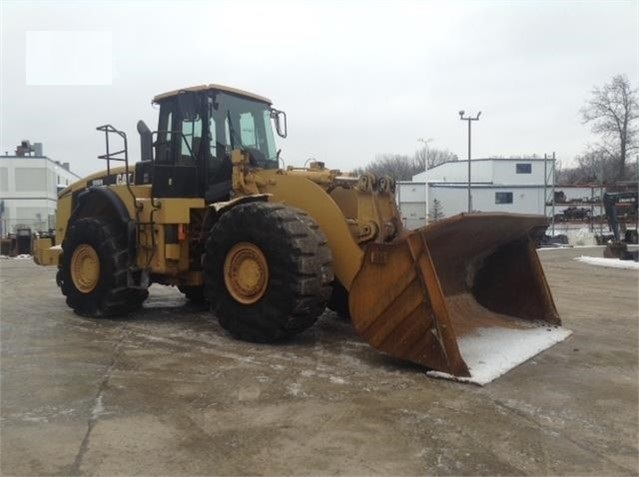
(245, 273)
(85, 268)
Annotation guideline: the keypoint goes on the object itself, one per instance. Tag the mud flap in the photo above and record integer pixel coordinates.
(465, 297)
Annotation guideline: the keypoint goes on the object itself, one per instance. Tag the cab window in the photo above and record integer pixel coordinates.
(247, 130)
(191, 138)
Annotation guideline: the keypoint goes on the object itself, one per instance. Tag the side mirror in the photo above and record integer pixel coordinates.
(280, 122)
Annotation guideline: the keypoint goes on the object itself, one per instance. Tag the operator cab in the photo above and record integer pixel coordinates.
(198, 128)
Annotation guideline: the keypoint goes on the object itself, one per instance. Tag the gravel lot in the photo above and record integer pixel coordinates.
(166, 392)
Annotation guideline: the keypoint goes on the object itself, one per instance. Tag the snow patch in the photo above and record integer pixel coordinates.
(556, 247)
(609, 262)
(494, 351)
(564, 247)
(294, 389)
(22, 256)
(576, 236)
(584, 237)
(30, 418)
(337, 380)
(98, 409)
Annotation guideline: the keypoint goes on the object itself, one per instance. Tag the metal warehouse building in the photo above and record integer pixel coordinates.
(498, 185)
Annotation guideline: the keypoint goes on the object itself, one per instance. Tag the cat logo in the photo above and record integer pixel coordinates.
(122, 179)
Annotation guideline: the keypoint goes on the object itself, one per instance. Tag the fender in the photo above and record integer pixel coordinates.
(216, 209)
(96, 201)
(221, 207)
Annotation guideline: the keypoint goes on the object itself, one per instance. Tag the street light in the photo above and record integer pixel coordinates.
(469, 119)
(425, 141)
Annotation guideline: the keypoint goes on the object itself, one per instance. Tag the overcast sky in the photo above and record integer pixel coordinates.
(357, 79)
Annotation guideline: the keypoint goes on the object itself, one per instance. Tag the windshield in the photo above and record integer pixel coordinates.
(240, 123)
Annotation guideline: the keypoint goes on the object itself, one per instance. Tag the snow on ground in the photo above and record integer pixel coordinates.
(581, 237)
(23, 256)
(609, 262)
(576, 236)
(563, 247)
(495, 351)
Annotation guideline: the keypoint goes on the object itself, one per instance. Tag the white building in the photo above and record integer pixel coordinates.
(498, 185)
(29, 185)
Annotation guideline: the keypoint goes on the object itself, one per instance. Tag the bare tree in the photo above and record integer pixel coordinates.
(515, 156)
(613, 110)
(437, 212)
(394, 165)
(594, 166)
(428, 157)
(402, 168)
(597, 166)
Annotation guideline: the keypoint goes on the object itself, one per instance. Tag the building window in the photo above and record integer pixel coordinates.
(31, 179)
(503, 197)
(4, 179)
(524, 168)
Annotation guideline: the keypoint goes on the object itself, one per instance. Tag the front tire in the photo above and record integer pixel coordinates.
(93, 272)
(268, 271)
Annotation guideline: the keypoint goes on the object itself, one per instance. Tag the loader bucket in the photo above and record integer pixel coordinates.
(465, 297)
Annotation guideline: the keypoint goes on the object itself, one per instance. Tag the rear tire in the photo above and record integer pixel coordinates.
(268, 272)
(93, 271)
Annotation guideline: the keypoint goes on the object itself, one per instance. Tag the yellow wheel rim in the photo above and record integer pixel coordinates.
(245, 273)
(85, 268)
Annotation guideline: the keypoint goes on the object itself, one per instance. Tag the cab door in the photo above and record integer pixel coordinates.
(180, 168)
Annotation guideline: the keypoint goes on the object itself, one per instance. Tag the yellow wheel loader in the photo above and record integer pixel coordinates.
(209, 209)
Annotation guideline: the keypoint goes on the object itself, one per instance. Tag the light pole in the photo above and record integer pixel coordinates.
(425, 141)
(469, 119)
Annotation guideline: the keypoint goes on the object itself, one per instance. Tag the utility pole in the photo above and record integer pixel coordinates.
(469, 119)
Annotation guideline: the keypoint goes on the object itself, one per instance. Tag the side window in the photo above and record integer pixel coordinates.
(191, 138)
(503, 197)
(216, 143)
(524, 168)
(163, 141)
(213, 137)
(169, 126)
(227, 134)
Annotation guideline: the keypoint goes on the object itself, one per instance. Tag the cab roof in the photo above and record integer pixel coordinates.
(212, 87)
